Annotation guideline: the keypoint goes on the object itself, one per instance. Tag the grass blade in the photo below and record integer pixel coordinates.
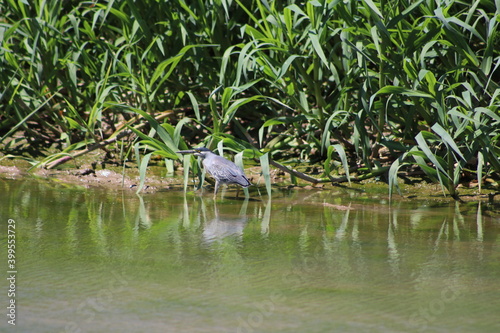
(238, 160)
(142, 171)
(186, 163)
(264, 164)
(343, 158)
(447, 139)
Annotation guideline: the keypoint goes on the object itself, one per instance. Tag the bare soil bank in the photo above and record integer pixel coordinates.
(119, 178)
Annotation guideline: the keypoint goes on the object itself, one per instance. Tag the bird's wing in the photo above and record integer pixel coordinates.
(224, 171)
(228, 172)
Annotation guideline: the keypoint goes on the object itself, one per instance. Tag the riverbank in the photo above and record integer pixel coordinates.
(127, 178)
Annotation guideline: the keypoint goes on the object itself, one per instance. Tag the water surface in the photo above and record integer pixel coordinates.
(96, 260)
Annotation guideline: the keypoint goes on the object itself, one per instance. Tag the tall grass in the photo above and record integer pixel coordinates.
(334, 82)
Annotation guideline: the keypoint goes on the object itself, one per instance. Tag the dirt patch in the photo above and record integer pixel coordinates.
(88, 177)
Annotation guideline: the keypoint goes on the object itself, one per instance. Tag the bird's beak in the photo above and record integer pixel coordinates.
(186, 152)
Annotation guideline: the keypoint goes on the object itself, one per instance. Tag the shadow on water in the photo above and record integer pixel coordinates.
(93, 260)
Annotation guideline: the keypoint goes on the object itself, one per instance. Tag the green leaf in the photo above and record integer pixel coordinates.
(422, 144)
(238, 160)
(177, 132)
(480, 165)
(373, 7)
(343, 158)
(172, 63)
(403, 91)
(268, 123)
(170, 146)
(195, 104)
(142, 171)
(264, 164)
(399, 91)
(230, 112)
(313, 36)
(393, 174)
(159, 147)
(448, 140)
(186, 163)
(326, 164)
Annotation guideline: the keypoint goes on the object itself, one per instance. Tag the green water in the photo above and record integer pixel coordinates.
(94, 260)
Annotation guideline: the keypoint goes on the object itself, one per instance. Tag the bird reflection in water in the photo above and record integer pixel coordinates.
(225, 223)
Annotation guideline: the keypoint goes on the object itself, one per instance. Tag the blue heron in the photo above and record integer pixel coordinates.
(221, 169)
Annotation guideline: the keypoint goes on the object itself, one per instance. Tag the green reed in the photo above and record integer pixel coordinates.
(332, 82)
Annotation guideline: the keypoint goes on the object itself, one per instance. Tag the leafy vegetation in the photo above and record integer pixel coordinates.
(367, 87)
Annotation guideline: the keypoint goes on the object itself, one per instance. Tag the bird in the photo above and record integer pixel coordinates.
(221, 169)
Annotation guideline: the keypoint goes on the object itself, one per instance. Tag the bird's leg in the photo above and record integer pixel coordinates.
(237, 191)
(216, 188)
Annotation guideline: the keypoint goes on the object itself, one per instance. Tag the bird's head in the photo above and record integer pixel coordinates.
(200, 152)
